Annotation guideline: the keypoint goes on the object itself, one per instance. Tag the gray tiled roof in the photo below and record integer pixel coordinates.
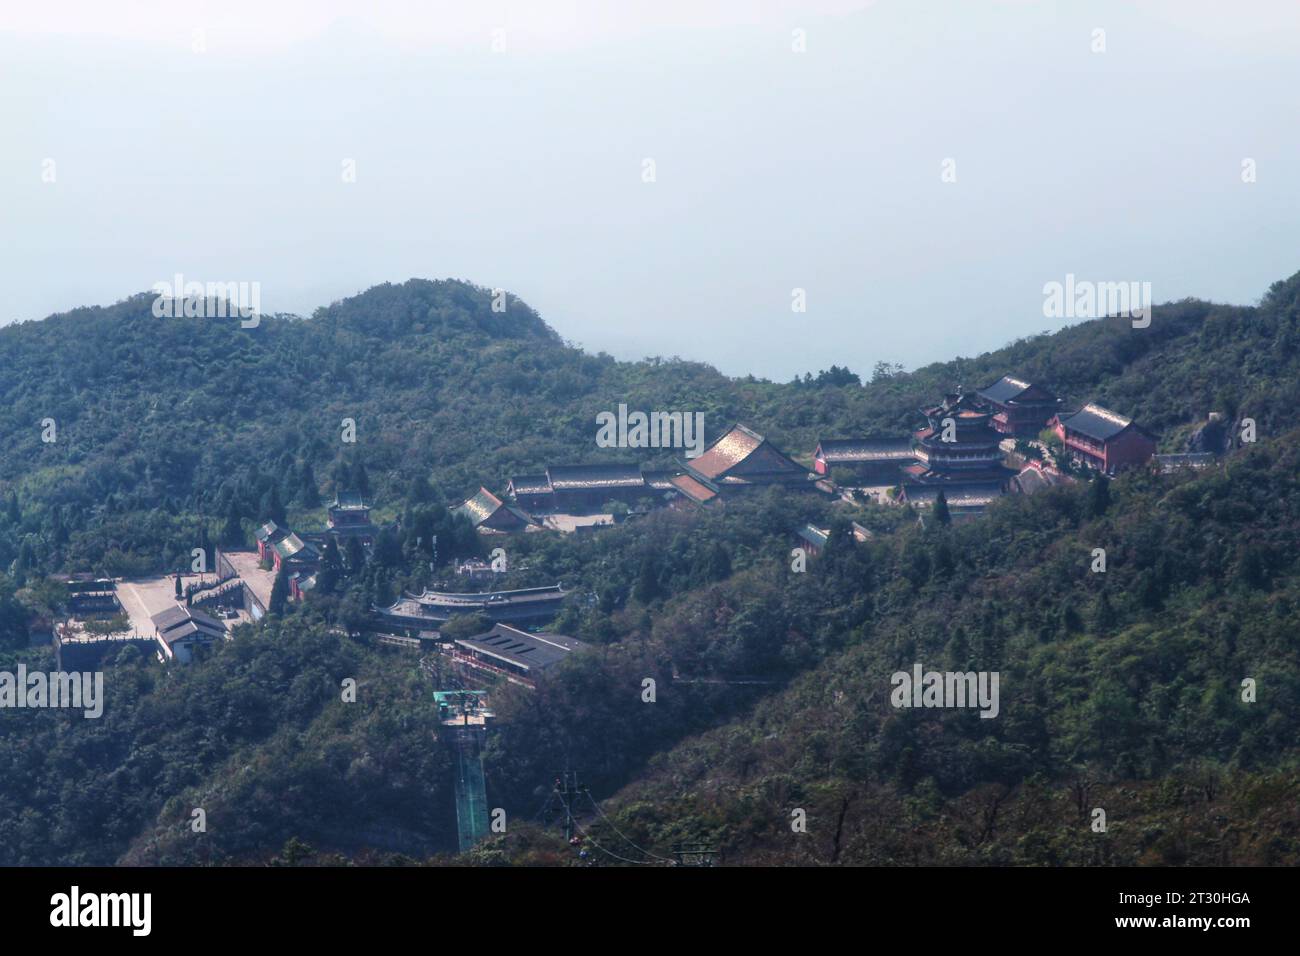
(177, 622)
(835, 450)
(576, 477)
(1096, 422)
(530, 485)
(1004, 389)
(531, 651)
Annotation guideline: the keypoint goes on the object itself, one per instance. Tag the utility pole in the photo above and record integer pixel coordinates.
(568, 788)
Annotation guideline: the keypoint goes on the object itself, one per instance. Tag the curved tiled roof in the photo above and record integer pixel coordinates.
(744, 457)
(695, 490)
(957, 494)
(1004, 389)
(735, 445)
(271, 532)
(1096, 422)
(865, 449)
(177, 622)
(659, 480)
(530, 485)
(292, 546)
(481, 506)
(574, 477)
(349, 501)
(486, 509)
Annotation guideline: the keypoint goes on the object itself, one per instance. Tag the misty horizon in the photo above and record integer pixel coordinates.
(775, 170)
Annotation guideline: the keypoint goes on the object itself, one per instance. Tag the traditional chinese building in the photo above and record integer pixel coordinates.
(180, 631)
(300, 582)
(1020, 409)
(294, 554)
(958, 443)
(584, 487)
(965, 500)
(93, 596)
(517, 652)
(533, 493)
(268, 536)
(430, 609)
(871, 460)
(813, 539)
(567, 489)
(349, 517)
(692, 491)
(490, 515)
(660, 484)
(738, 460)
(1104, 440)
(958, 453)
(1035, 477)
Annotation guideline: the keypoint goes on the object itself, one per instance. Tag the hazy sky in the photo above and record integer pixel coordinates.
(209, 139)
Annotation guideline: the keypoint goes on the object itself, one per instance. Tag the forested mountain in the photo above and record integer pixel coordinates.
(1120, 690)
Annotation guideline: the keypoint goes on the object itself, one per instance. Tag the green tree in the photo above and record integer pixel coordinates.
(232, 533)
(1098, 496)
(647, 581)
(388, 550)
(272, 507)
(331, 568)
(941, 513)
(280, 591)
(356, 556)
(308, 492)
(462, 626)
(1103, 615)
(419, 492)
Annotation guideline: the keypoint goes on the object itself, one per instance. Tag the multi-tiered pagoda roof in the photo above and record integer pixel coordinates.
(958, 444)
(958, 453)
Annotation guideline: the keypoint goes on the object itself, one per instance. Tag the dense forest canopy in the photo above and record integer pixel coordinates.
(176, 433)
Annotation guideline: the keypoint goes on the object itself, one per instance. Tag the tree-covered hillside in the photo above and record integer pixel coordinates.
(1120, 690)
(1123, 689)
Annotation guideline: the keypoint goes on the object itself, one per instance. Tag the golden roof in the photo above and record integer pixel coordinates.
(727, 452)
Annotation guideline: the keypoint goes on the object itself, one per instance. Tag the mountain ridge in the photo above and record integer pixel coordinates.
(219, 426)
